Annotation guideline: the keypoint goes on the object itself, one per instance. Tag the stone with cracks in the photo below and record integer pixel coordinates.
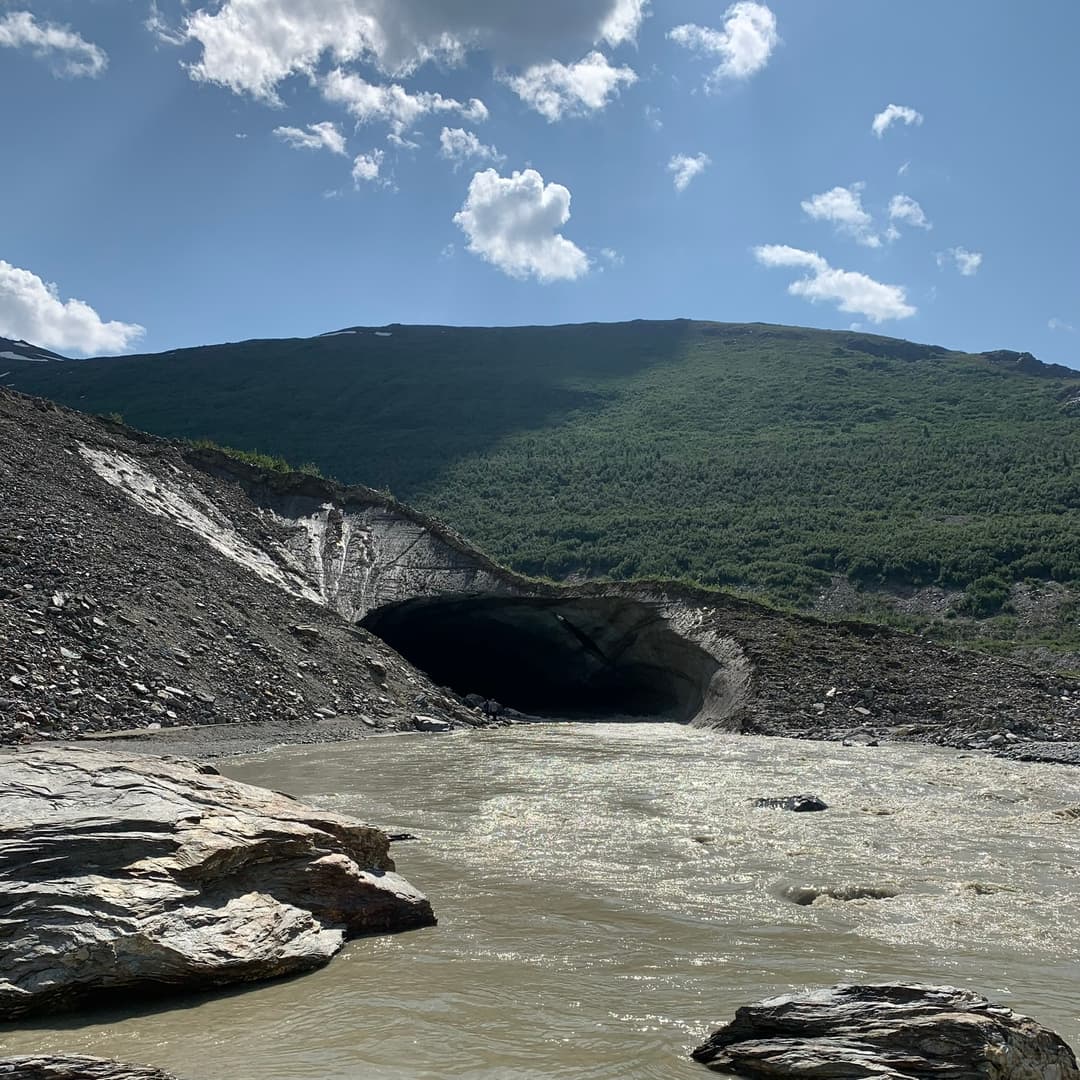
(127, 873)
(898, 1032)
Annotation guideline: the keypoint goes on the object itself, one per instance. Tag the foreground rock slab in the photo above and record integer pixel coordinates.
(75, 1068)
(131, 873)
(893, 1031)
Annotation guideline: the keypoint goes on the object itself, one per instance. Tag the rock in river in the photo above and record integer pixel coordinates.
(75, 1068)
(798, 803)
(898, 1032)
(129, 873)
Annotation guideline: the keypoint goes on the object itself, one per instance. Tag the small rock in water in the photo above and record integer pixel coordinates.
(430, 723)
(797, 803)
(805, 895)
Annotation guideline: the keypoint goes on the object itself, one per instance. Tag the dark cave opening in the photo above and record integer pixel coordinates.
(574, 658)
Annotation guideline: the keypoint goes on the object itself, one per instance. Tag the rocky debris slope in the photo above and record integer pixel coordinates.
(113, 617)
(889, 1031)
(124, 873)
(853, 680)
(75, 1068)
(145, 583)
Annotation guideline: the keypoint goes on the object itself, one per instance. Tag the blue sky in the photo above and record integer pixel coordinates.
(212, 171)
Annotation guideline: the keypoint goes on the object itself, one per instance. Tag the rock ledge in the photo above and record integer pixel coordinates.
(75, 1068)
(134, 873)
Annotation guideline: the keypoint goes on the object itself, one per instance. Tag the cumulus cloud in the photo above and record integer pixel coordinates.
(851, 292)
(556, 90)
(906, 210)
(250, 46)
(684, 168)
(321, 136)
(459, 146)
(31, 310)
(891, 114)
(366, 168)
(72, 55)
(967, 262)
(843, 208)
(744, 45)
(513, 223)
(392, 104)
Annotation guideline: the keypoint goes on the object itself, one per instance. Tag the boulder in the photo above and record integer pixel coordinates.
(75, 1068)
(126, 873)
(898, 1032)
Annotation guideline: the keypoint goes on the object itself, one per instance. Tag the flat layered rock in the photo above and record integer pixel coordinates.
(128, 873)
(899, 1032)
(75, 1068)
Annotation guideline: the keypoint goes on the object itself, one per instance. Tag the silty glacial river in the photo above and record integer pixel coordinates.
(607, 895)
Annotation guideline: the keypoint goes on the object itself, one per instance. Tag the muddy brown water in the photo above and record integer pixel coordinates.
(607, 895)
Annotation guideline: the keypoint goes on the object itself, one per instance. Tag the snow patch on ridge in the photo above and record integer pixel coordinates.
(183, 504)
(23, 356)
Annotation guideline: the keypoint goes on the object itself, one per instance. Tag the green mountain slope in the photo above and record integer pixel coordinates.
(772, 458)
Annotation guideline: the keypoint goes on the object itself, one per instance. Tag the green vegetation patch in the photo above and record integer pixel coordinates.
(762, 457)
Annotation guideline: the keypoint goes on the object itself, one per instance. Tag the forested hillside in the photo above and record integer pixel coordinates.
(763, 457)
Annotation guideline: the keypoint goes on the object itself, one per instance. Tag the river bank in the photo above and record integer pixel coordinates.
(217, 741)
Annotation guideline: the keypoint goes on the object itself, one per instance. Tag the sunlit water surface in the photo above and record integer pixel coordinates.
(607, 894)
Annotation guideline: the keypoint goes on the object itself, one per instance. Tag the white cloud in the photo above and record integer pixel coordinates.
(321, 136)
(392, 104)
(366, 167)
(612, 257)
(402, 143)
(654, 117)
(1061, 324)
(744, 45)
(684, 168)
(967, 262)
(513, 223)
(250, 46)
(160, 28)
(72, 55)
(556, 90)
(905, 209)
(889, 115)
(903, 170)
(854, 293)
(842, 206)
(458, 145)
(31, 310)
